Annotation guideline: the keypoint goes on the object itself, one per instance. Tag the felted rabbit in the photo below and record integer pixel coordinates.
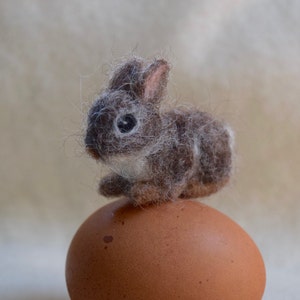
(155, 155)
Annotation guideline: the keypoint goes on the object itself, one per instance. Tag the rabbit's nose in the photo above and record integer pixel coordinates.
(92, 152)
(91, 147)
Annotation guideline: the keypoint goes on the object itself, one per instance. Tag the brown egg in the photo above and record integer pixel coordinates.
(177, 250)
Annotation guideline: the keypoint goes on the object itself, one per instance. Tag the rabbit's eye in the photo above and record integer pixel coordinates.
(126, 123)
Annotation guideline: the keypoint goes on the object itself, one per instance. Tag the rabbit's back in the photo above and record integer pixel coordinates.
(201, 145)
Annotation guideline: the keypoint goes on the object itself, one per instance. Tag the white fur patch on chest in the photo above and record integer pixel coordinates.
(131, 167)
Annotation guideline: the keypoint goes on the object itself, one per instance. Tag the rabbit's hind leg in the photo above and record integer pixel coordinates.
(114, 185)
(196, 189)
(145, 193)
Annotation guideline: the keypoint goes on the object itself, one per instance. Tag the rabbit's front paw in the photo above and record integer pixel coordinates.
(113, 185)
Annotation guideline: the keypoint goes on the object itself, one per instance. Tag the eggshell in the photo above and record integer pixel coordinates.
(177, 250)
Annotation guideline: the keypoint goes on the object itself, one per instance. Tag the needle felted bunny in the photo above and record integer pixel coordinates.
(155, 156)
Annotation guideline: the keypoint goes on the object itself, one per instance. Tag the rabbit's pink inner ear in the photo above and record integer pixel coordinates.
(155, 80)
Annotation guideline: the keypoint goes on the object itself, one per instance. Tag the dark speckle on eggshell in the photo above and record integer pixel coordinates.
(108, 239)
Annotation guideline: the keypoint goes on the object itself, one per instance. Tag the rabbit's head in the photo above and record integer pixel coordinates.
(125, 118)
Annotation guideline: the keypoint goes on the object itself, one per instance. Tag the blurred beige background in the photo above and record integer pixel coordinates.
(238, 59)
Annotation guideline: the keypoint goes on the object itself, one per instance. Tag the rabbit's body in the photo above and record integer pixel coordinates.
(155, 156)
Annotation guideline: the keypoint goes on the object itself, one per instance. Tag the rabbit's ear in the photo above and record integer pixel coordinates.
(128, 77)
(155, 80)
